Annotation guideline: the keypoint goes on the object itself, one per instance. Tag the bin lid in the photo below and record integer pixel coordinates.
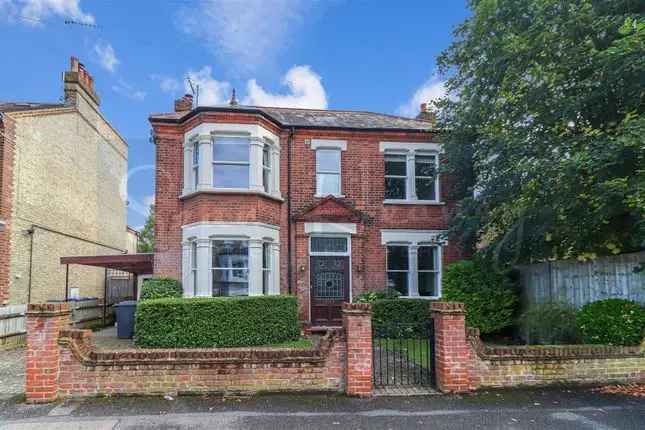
(127, 303)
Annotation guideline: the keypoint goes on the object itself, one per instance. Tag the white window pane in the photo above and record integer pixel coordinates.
(230, 254)
(327, 183)
(328, 160)
(231, 149)
(230, 176)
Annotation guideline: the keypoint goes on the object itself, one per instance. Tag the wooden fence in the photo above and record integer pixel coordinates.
(13, 320)
(578, 283)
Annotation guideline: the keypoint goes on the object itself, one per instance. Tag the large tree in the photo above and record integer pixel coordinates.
(147, 234)
(545, 127)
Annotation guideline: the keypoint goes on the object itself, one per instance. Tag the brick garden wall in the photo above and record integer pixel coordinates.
(464, 362)
(64, 363)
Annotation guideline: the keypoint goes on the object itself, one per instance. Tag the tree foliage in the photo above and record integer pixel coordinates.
(546, 129)
(147, 235)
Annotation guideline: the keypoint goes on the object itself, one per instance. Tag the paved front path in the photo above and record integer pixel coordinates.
(12, 372)
(556, 409)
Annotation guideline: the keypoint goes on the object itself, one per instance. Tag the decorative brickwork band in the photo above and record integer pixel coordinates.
(44, 324)
(453, 355)
(357, 321)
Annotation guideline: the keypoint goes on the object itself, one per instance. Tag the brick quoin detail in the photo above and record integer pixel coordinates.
(44, 324)
(453, 354)
(357, 320)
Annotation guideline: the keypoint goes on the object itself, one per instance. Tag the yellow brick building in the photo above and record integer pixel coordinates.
(63, 172)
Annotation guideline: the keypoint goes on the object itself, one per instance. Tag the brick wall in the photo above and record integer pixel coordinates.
(464, 362)
(63, 363)
(7, 149)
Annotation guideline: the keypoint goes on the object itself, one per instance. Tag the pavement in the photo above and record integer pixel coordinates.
(12, 372)
(554, 408)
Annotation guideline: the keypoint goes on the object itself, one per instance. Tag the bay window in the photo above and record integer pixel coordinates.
(237, 158)
(230, 259)
(231, 162)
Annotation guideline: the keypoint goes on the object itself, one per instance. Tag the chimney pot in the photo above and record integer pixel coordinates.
(424, 107)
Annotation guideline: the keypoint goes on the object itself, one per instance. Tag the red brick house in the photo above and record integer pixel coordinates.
(321, 204)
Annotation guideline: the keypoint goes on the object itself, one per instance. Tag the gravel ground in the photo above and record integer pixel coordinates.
(12, 372)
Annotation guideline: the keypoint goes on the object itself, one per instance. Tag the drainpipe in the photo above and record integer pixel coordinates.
(289, 253)
(31, 232)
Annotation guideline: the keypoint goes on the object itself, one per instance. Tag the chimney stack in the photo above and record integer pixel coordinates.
(427, 114)
(184, 104)
(78, 82)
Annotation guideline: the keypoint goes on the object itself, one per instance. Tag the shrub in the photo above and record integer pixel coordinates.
(391, 316)
(491, 301)
(216, 322)
(612, 322)
(549, 324)
(374, 295)
(160, 288)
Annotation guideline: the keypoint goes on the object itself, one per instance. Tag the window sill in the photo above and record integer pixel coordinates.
(189, 194)
(322, 196)
(421, 297)
(414, 202)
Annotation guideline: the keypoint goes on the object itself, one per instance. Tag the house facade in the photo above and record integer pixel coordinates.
(62, 167)
(320, 204)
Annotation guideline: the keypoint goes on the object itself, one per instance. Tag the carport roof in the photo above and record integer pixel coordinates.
(133, 263)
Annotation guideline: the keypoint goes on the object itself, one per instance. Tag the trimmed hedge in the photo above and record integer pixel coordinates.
(612, 322)
(392, 316)
(374, 295)
(160, 288)
(216, 322)
(490, 299)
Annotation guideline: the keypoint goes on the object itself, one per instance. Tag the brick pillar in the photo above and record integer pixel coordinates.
(44, 323)
(452, 352)
(357, 321)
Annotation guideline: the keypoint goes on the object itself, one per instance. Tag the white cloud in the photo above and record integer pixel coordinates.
(167, 84)
(33, 12)
(127, 90)
(211, 91)
(433, 89)
(305, 91)
(106, 56)
(245, 34)
(149, 200)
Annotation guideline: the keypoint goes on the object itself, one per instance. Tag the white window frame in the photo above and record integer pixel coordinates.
(266, 270)
(247, 269)
(320, 172)
(216, 163)
(347, 253)
(414, 239)
(207, 134)
(411, 150)
(194, 268)
(195, 164)
(329, 145)
(266, 168)
(405, 178)
(204, 233)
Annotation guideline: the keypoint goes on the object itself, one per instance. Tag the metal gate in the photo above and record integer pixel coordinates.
(403, 354)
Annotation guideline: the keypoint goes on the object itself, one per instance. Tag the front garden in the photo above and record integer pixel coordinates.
(493, 306)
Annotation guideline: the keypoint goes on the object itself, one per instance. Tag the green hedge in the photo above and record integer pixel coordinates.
(549, 324)
(216, 322)
(398, 317)
(160, 288)
(612, 322)
(490, 299)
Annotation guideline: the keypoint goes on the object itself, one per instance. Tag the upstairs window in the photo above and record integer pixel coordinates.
(266, 168)
(231, 162)
(328, 172)
(411, 177)
(396, 177)
(425, 177)
(195, 164)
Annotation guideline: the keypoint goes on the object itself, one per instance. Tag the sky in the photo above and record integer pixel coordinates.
(338, 54)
